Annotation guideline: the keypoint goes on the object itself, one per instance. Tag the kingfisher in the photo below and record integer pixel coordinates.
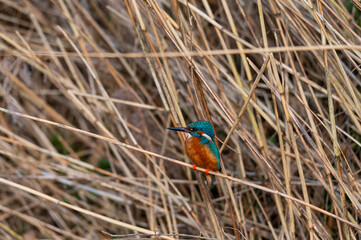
(200, 147)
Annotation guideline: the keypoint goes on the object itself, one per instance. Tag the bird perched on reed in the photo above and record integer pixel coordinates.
(200, 147)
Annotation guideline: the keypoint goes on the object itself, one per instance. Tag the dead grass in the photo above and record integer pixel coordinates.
(88, 88)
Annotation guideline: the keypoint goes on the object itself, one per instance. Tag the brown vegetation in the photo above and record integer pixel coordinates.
(88, 88)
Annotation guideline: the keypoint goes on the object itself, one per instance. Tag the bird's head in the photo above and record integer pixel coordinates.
(198, 129)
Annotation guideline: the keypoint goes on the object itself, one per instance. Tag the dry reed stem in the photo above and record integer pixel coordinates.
(88, 88)
(174, 161)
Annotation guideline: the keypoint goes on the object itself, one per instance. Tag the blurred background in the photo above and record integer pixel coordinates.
(88, 89)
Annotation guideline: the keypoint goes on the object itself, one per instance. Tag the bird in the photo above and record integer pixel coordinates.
(200, 147)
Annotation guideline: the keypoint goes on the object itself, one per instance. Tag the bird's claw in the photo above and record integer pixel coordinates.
(194, 167)
(207, 171)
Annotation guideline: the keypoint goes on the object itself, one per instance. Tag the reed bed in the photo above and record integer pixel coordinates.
(88, 89)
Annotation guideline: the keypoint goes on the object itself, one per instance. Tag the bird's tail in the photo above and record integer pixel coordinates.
(210, 180)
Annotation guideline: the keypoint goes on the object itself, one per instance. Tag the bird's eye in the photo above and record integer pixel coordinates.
(194, 129)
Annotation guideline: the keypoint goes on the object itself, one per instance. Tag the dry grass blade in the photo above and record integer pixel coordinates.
(88, 89)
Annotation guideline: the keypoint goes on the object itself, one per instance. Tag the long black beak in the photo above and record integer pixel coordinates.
(180, 129)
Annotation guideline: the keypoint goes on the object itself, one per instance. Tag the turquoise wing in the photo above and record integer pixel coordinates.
(215, 150)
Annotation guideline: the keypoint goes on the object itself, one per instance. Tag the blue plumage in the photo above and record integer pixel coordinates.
(203, 126)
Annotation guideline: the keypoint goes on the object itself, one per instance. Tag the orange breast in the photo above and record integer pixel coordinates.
(200, 154)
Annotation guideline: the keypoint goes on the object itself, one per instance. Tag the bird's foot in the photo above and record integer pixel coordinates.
(194, 167)
(207, 171)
